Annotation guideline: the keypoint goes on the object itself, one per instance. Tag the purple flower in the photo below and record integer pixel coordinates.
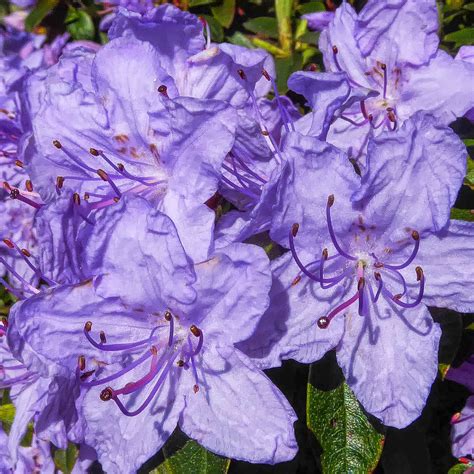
(366, 259)
(128, 133)
(152, 344)
(462, 434)
(466, 53)
(408, 76)
(317, 21)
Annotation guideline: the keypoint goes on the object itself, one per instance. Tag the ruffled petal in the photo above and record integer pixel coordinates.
(390, 360)
(239, 413)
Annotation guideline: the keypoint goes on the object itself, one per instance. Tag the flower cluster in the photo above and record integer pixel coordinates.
(141, 306)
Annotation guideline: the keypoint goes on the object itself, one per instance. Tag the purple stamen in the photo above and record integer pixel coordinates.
(247, 169)
(170, 319)
(384, 69)
(29, 288)
(331, 230)
(396, 298)
(416, 237)
(10, 289)
(353, 122)
(16, 194)
(323, 322)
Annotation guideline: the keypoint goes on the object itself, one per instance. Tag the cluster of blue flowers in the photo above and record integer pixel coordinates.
(142, 306)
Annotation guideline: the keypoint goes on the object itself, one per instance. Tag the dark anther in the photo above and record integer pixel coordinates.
(265, 74)
(415, 235)
(86, 375)
(294, 229)
(335, 50)
(94, 152)
(242, 74)
(8, 243)
(397, 297)
(116, 199)
(323, 323)
(88, 326)
(419, 273)
(86, 196)
(377, 276)
(330, 200)
(57, 144)
(19, 163)
(195, 330)
(76, 198)
(361, 284)
(5, 322)
(356, 166)
(26, 252)
(81, 362)
(196, 388)
(325, 254)
(312, 67)
(296, 280)
(168, 315)
(391, 116)
(103, 339)
(59, 182)
(106, 394)
(383, 67)
(103, 175)
(153, 350)
(265, 133)
(378, 265)
(121, 167)
(29, 186)
(6, 186)
(163, 90)
(180, 363)
(14, 193)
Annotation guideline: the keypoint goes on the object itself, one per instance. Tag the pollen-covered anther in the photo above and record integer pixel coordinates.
(154, 350)
(6, 186)
(9, 243)
(19, 163)
(294, 229)
(195, 331)
(103, 338)
(106, 394)
(323, 322)
(168, 315)
(94, 152)
(59, 181)
(81, 362)
(265, 133)
(77, 199)
(415, 235)
(14, 193)
(265, 74)
(391, 115)
(88, 326)
(57, 144)
(180, 363)
(419, 273)
(325, 254)
(196, 388)
(330, 200)
(242, 74)
(29, 186)
(103, 175)
(334, 49)
(383, 67)
(26, 252)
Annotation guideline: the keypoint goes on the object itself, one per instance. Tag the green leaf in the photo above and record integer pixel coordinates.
(459, 469)
(462, 214)
(42, 8)
(284, 10)
(79, 25)
(285, 67)
(193, 459)
(469, 7)
(217, 33)
(350, 443)
(224, 13)
(240, 39)
(311, 7)
(65, 459)
(7, 414)
(270, 47)
(465, 36)
(469, 141)
(197, 3)
(263, 25)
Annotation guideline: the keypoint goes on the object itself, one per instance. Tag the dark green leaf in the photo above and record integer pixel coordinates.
(311, 37)
(465, 36)
(285, 67)
(462, 215)
(350, 443)
(240, 39)
(65, 459)
(263, 25)
(311, 7)
(80, 25)
(193, 459)
(469, 6)
(197, 3)
(224, 13)
(41, 9)
(217, 33)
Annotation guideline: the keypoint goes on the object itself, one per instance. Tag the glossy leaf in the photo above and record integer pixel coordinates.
(65, 459)
(217, 33)
(224, 13)
(41, 9)
(465, 36)
(193, 459)
(263, 25)
(240, 39)
(311, 7)
(80, 25)
(349, 442)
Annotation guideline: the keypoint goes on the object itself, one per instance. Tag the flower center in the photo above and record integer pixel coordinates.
(365, 263)
(164, 355)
